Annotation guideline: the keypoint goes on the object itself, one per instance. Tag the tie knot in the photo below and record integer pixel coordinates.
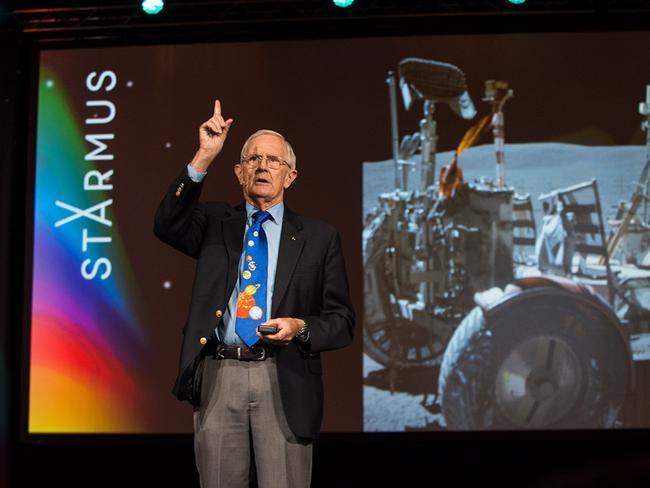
(260, 217)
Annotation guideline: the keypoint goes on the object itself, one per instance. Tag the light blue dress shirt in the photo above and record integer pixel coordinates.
(225, 332)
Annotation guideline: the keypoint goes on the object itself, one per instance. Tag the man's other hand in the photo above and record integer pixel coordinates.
(287, 329)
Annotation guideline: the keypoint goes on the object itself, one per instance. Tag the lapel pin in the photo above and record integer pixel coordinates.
(293, 238)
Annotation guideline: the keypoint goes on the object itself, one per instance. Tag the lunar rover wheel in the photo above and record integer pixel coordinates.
(545, 358)
(402, 344)
(389, 337)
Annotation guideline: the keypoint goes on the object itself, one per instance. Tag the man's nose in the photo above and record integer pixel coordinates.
(262, 169)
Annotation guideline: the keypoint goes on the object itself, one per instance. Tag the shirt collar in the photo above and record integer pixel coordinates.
(276, 211)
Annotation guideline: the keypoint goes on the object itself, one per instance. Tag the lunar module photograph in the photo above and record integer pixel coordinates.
(505, 286)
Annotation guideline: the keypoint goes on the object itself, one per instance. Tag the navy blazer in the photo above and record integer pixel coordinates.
(310, 284)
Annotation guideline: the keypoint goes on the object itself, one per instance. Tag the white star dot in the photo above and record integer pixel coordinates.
(129, 83)
(168, 145)
(167, 284)
(49, 83)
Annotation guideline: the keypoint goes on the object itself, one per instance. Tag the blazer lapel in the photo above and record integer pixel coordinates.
(291, 244)
(233, 235)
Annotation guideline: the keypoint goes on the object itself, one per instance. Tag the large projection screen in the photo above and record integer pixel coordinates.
(115, 125)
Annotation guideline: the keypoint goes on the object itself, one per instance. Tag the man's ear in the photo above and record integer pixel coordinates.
(288, 179)
(239, 174)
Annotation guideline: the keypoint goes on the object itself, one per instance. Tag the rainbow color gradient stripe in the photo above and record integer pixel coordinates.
(86, 341)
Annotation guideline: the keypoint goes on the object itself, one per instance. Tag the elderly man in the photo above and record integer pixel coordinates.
(270, 294)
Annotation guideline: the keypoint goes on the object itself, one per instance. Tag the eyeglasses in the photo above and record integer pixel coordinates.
(254, 160)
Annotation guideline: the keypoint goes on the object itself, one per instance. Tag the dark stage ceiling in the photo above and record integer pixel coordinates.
(52, 18)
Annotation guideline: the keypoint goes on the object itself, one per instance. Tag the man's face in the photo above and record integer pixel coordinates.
(262, 185)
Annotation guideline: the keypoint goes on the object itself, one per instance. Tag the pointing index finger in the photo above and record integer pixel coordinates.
(217, 108)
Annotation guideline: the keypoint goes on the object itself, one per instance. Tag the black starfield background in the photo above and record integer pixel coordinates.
(330, 99)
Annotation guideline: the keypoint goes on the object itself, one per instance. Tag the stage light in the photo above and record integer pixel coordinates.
(343, 3)
(517, 2)
(152, 6)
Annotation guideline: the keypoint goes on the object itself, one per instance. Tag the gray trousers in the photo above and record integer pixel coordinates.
(241, 413)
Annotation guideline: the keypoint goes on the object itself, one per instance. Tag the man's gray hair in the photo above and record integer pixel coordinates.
(291, 156)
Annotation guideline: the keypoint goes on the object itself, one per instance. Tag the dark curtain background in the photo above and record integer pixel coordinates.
(11, 232)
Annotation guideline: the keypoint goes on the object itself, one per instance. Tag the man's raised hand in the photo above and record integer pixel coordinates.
(212, 135)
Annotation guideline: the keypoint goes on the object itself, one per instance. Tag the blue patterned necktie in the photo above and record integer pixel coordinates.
(251, 302)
